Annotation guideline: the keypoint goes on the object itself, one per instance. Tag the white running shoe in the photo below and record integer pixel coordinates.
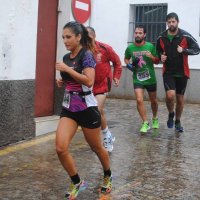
(108, 143)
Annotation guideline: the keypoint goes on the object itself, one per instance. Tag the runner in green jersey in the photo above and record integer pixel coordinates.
(140, 58)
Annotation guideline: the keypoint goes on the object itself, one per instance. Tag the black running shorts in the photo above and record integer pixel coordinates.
(88, 118)
(175, 83)
(149, 88)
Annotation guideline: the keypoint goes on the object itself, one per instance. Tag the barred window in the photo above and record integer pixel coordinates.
(152, 16)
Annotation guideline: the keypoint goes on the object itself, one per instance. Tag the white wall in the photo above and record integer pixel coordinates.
(64, 8)
(18, 34)
(111, 20)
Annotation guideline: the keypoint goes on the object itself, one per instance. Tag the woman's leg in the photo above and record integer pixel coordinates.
(65, 132)
(93, 137)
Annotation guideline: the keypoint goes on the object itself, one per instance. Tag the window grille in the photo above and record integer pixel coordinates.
(152, 16)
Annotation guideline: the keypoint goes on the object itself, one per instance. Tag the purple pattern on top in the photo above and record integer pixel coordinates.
(77, 102)
(88, 60)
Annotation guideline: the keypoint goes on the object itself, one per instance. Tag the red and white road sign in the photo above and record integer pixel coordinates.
(81, 10)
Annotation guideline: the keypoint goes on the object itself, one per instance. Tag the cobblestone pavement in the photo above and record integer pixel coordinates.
(159, 165)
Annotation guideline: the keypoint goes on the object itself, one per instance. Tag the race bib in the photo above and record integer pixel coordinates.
(66, 100)
(143, 76)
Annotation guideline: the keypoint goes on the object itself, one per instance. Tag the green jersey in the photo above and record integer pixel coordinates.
(144, 71)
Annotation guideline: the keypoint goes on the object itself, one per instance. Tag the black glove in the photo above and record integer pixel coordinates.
(136, 61)
(130, 66)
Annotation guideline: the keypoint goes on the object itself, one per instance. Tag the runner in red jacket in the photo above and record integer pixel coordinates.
(103, 81)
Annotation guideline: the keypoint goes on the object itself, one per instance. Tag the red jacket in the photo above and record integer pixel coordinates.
(103, 72)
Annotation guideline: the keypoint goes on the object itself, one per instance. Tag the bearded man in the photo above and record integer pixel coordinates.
(173, 46)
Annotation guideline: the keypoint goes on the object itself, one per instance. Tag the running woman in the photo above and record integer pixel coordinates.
(79, 106)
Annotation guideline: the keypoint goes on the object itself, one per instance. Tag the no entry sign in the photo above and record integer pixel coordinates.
(81, 10)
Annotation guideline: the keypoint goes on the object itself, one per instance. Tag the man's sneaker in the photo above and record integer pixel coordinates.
(107, 184)
(170, 121)
(155, 123)
(74, 190)
(108, 143)
(145, 127)
(178, 127)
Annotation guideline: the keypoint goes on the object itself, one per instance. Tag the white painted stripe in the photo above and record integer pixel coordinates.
(82, 6)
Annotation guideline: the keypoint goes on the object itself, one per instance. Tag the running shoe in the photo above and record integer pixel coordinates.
(178, 127)
(108, 143)
(170, 121)
(74, 190)
(155, 123)
(107, 184)
(145, 127)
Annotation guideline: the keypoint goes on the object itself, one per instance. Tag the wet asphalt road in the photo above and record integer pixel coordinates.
(161, 164)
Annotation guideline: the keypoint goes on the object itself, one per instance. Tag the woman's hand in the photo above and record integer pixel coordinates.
(60, 66)
(59, 82)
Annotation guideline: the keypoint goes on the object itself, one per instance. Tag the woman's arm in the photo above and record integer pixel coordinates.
(86, 78)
